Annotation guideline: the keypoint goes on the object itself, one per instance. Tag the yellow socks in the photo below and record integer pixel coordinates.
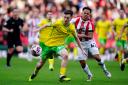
(51, 63)
(101, 50)
(62, 71)
(75, 51)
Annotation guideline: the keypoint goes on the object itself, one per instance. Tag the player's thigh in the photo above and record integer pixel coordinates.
(45, 51)
(18, 45)
(63, 53)
(80, 55)
(10, 43)
(85, 46)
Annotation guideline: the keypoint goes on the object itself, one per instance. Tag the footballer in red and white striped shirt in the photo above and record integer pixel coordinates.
(85, 29)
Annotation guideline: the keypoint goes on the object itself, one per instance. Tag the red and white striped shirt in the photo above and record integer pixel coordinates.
(83, 27)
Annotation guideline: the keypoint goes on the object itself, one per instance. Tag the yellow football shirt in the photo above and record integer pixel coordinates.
(44, 33)
(118, 24)
(102, 28)
(59, 33)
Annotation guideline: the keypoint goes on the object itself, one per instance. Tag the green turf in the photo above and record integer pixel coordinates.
(21, 69)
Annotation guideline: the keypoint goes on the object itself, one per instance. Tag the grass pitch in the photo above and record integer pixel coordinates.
(21, 69)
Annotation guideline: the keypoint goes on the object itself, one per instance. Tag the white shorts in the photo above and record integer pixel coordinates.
(90, 46)
(80, 56)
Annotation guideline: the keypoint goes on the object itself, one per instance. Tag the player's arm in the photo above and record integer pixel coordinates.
(114, 28)
(90, 35)
(78, 42)
(6, 27)
(42, 27)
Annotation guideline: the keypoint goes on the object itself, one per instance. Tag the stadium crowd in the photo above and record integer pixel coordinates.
(37, 9)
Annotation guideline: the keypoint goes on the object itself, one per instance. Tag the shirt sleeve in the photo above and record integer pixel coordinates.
(73, 30)
(41, 23)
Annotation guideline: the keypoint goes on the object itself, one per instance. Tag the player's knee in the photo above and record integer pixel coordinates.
(10, 50)
(19, 48)
(82, 63)
(97, 57)
(65, 57)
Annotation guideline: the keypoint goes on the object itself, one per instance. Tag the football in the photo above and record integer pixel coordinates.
(36, 50)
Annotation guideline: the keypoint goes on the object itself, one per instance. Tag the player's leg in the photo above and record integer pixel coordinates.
(102, 45)
(41, 62)
(123, 62)
(10, 51)
(124, 59)
(18, 44)
(86, 69)
(119, 52)
(95, 52)
(102, 65)
(82, 59)
(9, 56)
(38, 67)
(51, 63)
(64, 54)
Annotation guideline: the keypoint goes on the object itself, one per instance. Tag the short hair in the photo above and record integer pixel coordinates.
(88, 8)
(68, 12)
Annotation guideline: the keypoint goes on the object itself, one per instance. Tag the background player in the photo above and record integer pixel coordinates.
(120, 43)
(13, 26)
(102, 29)
(124, 59)
(44, 34)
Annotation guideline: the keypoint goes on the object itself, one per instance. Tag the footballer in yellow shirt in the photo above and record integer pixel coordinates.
(55, 44)
(102, 29)
(120, 43)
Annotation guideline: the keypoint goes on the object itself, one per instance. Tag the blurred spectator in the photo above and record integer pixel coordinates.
(108, 7)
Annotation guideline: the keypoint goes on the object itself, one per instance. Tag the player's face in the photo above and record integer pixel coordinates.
(86, 14)
(121, 12)
(49, 15)
(36, 13)
(15, 13)
(67, 18)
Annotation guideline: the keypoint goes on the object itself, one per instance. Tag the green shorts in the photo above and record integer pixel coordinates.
(121, 43)
(47, 52)
(102, 41)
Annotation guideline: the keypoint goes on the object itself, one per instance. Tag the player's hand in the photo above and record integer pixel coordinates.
(80, 35)
(11, 30)
(48, 25)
